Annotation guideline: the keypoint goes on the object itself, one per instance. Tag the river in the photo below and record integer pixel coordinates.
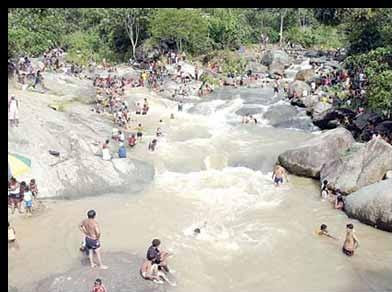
(215, 172)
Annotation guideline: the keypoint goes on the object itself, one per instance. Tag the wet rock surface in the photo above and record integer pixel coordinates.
(122, 276)
(372, 205)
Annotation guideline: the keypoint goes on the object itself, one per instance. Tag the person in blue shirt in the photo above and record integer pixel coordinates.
(122, 152)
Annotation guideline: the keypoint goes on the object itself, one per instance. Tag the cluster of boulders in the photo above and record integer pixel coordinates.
(358, 170)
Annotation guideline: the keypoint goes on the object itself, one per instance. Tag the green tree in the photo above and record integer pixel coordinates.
(187, 27)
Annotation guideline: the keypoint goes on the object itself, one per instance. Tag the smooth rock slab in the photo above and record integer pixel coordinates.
(122, 276)
(372, 205)
(308, 158)
(361, 165)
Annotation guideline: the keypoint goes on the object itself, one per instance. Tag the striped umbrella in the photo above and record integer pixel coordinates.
(18, 164)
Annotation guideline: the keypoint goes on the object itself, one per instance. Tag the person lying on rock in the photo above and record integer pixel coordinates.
(278, 174)
(156, 256)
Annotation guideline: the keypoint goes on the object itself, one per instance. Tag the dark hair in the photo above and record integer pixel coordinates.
(107, 141)
(13, 179)
(91, 214)
(32, 181)
(23, 184)
(350, 226)
(323, 227)
(98, 281)
(197, 230)
(156, 242)
(340, 198)
(325, 181)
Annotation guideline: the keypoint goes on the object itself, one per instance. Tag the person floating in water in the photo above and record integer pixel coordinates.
(351, 242)
(278, 174)
(323, 231)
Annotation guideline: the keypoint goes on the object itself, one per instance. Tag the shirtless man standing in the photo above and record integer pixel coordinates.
(351, 242)
(92, 232)
(278, 174)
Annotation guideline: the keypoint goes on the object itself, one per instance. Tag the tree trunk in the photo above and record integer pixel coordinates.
(281, 29)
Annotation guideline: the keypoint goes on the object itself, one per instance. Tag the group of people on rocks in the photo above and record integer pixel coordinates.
(334, 196)
(154, 267)
(21, 192)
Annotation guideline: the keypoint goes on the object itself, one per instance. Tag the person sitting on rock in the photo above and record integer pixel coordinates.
(157, 256)
(98, 286)
(122, 152)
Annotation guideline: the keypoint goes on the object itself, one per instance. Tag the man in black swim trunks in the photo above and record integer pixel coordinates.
(92, 232)
(156, 256)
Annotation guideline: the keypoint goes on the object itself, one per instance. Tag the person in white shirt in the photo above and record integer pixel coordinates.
(28, 200)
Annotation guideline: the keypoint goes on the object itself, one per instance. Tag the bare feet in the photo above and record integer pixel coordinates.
(103, 267)
(93, 265)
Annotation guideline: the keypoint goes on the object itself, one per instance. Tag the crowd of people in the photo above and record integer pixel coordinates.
(22, 193)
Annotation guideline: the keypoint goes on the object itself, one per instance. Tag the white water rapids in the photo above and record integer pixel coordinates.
(214, 172)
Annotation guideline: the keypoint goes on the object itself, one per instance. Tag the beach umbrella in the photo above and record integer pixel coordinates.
(18, 164)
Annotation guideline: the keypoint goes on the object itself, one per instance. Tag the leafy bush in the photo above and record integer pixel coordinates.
(323, 37)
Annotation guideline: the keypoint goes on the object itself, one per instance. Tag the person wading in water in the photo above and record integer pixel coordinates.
(92, 233)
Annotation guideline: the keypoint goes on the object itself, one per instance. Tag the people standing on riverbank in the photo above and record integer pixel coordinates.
(92, 232)
(278, 174)
(28, 200)
(351, 242)
(13, 111)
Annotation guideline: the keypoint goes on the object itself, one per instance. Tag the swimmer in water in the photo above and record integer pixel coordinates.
(197, 230)
(278, 173)
(323, 231)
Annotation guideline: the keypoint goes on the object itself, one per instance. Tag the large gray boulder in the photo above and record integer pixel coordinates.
(319, 108)
(275, 56)
(359, 166)
(77, 134)
(71, 87)
(299, 87)
(256, 67)
(308, 158)
(372, 205)
(305, 75)
(306, 101)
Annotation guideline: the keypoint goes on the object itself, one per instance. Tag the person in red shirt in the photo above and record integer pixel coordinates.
(98, 286)
(132, 140)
